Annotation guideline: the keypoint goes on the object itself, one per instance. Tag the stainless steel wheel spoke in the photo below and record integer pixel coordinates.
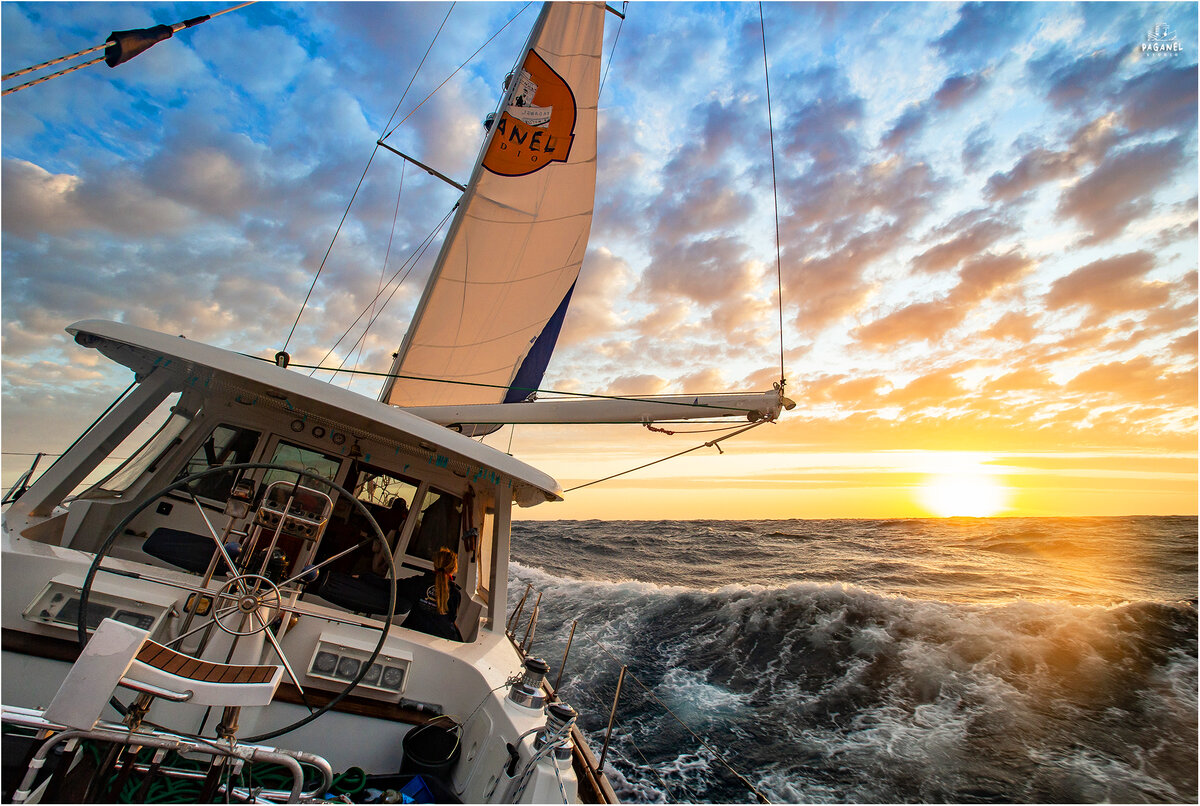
(282, 657)
(328, 560)
(216, 614)
(220, 546)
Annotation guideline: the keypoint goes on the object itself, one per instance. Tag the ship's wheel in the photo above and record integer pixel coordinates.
(251, 603)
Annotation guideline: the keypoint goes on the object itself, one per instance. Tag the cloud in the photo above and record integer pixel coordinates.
(1119, 190)
(911, 122)
(1076, 84)
(1110, 285)
(975, 148)
(846, 391)
(983, 276)
(979, 279)
(982, 229)
(1014, 325)
(934, 389)
(706, 271)
(1034, 168)
(824, 130)
(636, 385)
(1024, 379)
(982, 28)
(954, 92)
(708, 205)
(1140, 379)
(602, 282)
(1160, 98)
(920, 321)
(36, 201)
(958, 89)
(701, 381)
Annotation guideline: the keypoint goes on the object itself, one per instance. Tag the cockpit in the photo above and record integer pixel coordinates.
(291, 529)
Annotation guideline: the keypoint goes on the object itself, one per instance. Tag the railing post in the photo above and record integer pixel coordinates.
(533, 614)
(566, 652)
(515, 618)
(612, 715)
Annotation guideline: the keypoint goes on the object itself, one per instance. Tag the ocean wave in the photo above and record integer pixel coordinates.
(1028, 660)
(887, 685)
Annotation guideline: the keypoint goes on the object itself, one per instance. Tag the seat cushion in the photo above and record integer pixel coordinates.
(186, 550)
(362, 594)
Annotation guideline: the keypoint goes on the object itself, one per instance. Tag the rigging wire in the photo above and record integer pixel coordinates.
(59, 60)
(456, 70)
(712, 443)
(599, 703)
(613, 49)
(695, 404)
(412, 261)
(362, 342)
(775, 189)
(358, 187)
(690, 431)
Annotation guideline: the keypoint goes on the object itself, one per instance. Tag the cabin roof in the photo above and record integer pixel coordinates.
(206, 366)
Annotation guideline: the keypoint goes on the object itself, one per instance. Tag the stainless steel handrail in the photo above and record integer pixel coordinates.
(120, 734)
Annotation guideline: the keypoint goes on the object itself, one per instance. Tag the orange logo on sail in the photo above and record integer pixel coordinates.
(537, 127)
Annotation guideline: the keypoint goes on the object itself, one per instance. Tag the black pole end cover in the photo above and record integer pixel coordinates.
(537, 666)
(127, 44)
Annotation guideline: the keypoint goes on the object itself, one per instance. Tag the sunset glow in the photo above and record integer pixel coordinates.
(987, 236)
(951, 495)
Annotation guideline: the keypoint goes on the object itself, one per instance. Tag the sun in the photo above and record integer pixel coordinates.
(971, 495)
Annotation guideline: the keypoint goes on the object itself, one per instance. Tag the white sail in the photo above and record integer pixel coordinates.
(500, 287)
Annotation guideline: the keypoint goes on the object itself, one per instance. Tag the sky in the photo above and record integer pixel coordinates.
(987, 235)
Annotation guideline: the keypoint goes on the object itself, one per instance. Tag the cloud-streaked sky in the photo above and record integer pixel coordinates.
(988, 233)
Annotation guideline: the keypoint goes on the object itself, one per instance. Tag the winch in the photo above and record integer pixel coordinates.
(528, 692)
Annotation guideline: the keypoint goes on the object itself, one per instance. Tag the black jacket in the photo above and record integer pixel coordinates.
(424, 617)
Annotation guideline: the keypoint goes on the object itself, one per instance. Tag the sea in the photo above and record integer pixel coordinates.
(1028, 660)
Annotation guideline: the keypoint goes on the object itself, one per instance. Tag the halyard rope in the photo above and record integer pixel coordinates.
(176, 28)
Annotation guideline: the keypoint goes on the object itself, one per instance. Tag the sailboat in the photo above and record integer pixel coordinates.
(241, 577)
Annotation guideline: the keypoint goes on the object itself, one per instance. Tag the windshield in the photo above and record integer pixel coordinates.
(144, 458)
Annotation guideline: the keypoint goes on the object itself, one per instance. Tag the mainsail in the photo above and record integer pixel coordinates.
(499, 290)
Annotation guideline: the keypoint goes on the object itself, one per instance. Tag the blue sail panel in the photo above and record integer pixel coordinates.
(529, 376)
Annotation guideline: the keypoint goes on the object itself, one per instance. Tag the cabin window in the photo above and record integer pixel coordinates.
(487, 538)
(294, 456)
(143, 458)
(388, 497)
(226, 445)
(440, 525)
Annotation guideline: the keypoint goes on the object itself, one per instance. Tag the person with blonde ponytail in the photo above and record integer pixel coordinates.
(435, 597)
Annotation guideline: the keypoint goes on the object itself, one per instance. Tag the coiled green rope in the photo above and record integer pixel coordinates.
(166, 789)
